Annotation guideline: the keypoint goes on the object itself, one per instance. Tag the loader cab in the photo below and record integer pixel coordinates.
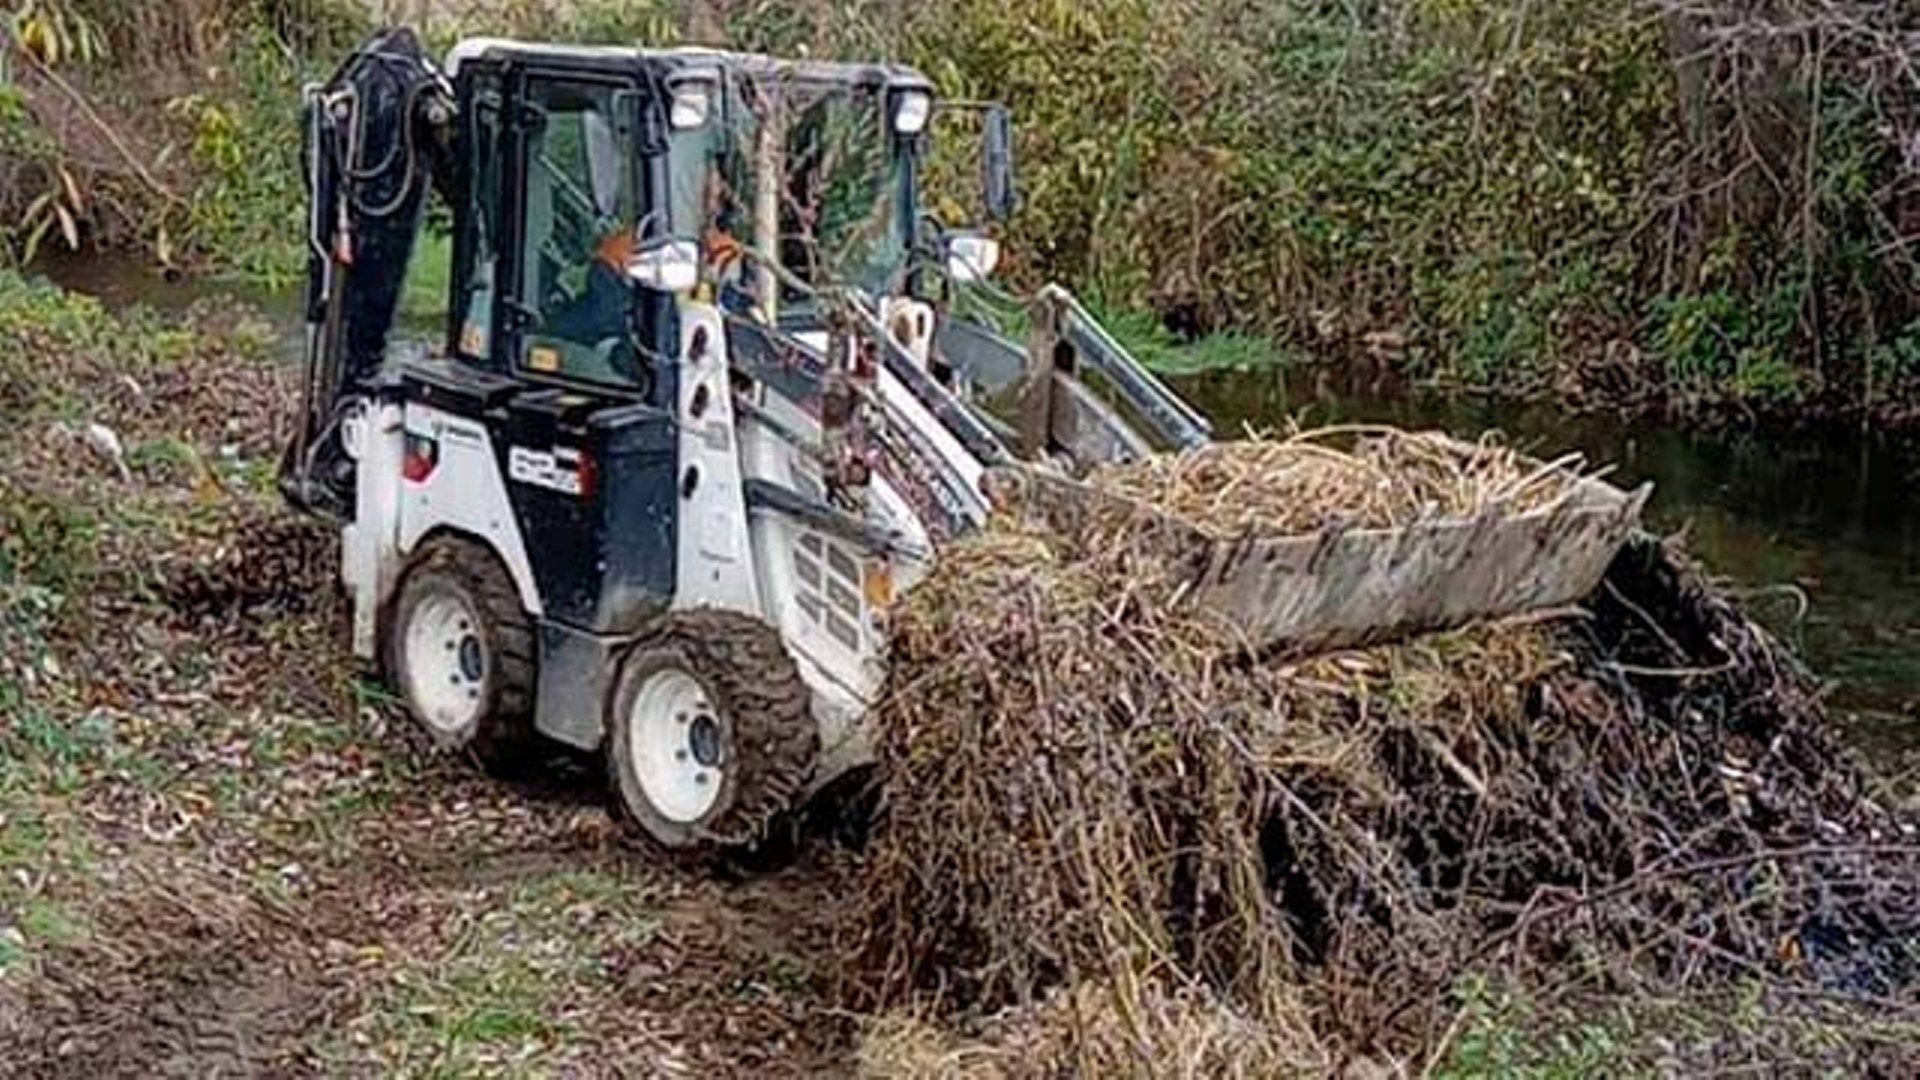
(557, 394)
(561, 182)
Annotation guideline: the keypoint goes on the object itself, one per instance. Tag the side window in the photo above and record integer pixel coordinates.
(480, 260)
(581, 216)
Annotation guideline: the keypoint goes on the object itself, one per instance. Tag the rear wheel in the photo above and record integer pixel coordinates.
(711, 734)
(459, 648)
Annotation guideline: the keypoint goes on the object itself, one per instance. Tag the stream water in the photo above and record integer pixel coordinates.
(1820, 532)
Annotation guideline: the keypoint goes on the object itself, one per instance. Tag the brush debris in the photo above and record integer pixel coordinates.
(1090, 786)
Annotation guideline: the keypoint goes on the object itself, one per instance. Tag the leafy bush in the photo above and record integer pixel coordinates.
(1681, 202)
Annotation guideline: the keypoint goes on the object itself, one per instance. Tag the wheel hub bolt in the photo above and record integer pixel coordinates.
(472, 661)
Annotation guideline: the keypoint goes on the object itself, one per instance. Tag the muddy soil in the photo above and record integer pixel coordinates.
(187, 972)
(223, 849)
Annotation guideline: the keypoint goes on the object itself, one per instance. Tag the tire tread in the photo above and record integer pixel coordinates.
(775, 736)
(505, 733)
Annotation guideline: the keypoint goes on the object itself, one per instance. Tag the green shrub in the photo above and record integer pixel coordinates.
(1513, 190)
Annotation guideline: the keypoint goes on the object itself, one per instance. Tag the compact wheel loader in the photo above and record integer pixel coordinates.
(704, 410)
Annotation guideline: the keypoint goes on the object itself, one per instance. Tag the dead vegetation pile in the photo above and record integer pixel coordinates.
(1353, 476)
(1093, 795)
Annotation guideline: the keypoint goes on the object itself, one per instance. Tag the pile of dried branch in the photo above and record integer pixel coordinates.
(1088, 786)
(1353, 475)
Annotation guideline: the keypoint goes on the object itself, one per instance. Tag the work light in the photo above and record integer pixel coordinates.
(692, 104)
(911, 111)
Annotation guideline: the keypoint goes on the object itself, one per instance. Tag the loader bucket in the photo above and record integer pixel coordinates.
(1346, 588)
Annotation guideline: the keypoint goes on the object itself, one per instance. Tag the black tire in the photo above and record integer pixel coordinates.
(768, 739)
(499, 734)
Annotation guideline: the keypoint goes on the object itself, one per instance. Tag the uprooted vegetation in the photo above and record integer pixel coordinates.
(1112, 841)
(1110, 844)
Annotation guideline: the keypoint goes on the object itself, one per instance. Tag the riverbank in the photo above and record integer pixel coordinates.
(1819, 527)
(222, 848)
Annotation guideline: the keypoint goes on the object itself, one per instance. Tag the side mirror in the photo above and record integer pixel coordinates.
(1002, 196)
(666, 265)
(972, 257)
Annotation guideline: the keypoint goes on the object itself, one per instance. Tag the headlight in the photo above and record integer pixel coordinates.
(972, 257)
(668, 266)
(692, 104)
(911, 111)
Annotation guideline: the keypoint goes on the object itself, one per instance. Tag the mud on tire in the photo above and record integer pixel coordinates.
(769, 740)
(463, 573)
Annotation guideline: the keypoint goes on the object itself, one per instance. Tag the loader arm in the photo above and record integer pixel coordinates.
(1071, 391)
(1070, 351)
(377, 137)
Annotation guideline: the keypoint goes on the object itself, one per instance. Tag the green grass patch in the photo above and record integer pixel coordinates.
(1143, 335)
(1509, 1032)
(46, 541)
(44, 856)
(49, 922)
(1504, 1035)
(490, 1001)
(429, 276)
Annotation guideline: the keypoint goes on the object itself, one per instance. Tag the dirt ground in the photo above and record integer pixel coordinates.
(365, 905)
(223, 850)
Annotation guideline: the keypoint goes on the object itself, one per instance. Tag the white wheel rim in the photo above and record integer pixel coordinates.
(446, 663)
(677, 745)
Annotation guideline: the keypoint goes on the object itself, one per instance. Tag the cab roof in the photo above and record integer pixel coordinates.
(834, 72)
(689, 61)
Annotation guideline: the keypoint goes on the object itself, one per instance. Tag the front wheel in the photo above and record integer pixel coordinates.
(711, 734)
(459, 648)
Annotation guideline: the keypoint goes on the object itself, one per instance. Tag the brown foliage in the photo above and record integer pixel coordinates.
(1089, 787)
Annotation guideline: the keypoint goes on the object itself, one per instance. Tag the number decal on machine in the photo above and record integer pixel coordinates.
(556, 470)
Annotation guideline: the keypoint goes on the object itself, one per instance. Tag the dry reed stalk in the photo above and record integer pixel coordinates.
(1372, 477)
(1089, 786)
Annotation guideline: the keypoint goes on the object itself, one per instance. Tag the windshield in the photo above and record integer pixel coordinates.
(813, 175)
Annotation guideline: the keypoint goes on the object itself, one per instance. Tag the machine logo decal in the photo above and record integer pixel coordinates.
(557, 470)
(465, 436)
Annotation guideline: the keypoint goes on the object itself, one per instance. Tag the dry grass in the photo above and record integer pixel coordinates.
(1355, 476)
(1091, 788)
(1092, 1029)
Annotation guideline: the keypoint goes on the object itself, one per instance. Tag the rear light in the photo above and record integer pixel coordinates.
(421, 458)
(589, 474)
